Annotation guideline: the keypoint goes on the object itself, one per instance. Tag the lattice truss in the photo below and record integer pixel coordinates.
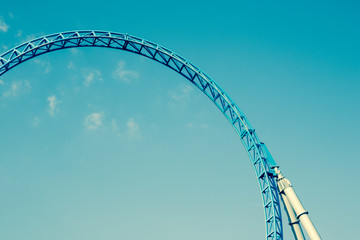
(257, 151)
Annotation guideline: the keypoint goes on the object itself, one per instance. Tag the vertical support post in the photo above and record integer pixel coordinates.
(302, 215)
(286, 188)
(293, 220)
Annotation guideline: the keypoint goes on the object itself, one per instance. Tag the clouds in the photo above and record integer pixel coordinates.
(115, 127)
(3, 26)
(44, 64)
(130, 129)
(124, 75)
(93, 121)
(94, 75)
(90, 76)
(36, 122)
(71, 65)
(133, 129)
(182, 94)
(17, 88)
(191, 125)
(19, 33)
(180, 97)
(53, 102)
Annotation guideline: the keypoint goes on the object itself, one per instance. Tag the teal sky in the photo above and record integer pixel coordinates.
(105, 144)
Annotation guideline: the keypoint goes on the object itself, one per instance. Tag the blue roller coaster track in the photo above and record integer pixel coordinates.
(258, 153)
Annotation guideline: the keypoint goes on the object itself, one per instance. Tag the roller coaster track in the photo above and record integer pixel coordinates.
(258, 153)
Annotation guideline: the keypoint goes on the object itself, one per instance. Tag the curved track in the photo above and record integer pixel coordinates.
(258, 153)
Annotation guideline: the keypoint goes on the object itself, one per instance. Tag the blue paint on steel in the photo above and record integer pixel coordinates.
(268, 156)
(259, 155)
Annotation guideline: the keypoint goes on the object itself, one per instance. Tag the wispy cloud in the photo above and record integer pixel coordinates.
(123, 74)
(181, 96)
(71, 65)
(53, 102)
(130, 129)
(93, 121)
(29, 37)
(2, 82)
(45, 64)
(74, 50)
(19, 33)
(36, 121)
(90, 76)
(3, 26)
(18, 88)
(5, 47)
(191, 125)
(115, 127)
(133, 129)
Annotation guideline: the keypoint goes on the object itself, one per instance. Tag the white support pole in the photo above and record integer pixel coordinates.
(302, 215)
(285, 187)
(293, 220)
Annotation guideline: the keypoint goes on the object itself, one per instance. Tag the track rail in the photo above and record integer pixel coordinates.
(257, 151)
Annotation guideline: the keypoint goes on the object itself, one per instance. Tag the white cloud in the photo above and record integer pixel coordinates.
(45, 64)
(11, 15)
(124, 75)
(74, 50)
(3, 26)
(19, 33)
(36, 121)
(29, 37)
(2, 82)
(18, 88)
(5, 47)
(91, 76)
(53, 102)
(93, 121)
(182, 94)
(133, 129)
(115, 127)
(71, 65)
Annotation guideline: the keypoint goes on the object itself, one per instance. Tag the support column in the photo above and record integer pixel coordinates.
(286, 188)
(293, 220)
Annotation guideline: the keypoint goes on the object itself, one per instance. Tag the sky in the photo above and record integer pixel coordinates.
(105, 144)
